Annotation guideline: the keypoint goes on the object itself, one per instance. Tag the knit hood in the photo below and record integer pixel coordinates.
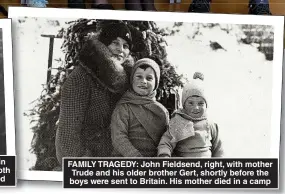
(151, 63)
(194, 87)
(98, 61)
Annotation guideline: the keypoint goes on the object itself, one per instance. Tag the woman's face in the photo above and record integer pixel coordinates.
(120, 49)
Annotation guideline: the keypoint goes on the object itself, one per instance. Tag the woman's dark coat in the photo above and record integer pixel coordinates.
(88, 99)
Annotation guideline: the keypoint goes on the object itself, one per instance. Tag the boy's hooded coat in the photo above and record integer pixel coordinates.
(138, 122)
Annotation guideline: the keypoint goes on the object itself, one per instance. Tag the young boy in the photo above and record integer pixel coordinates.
(190, 133)
(139, 121)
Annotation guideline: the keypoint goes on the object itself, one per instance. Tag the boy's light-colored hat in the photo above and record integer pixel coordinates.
(151, 63)
(194, 87)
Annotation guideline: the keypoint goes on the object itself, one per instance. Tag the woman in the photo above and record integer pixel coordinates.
(90, 93)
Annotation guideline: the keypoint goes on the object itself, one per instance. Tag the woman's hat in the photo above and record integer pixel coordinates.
(110, 32)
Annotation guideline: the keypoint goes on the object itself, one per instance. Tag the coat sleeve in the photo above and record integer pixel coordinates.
(119, 132)
(166, 146)
(74, 102)
(217, 147)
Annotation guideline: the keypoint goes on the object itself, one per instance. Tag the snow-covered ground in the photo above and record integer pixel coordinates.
(238, 80)
(238, 83)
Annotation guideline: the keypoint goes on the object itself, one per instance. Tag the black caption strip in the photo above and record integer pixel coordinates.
(7, 171)
(170, 173)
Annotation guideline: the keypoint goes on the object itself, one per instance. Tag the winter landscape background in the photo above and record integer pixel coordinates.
(238, 80)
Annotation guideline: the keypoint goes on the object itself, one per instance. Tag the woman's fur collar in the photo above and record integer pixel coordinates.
(97, 60)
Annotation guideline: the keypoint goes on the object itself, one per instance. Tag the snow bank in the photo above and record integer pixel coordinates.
(238, 82)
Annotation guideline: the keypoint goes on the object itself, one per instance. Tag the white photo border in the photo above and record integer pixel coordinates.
(276, 21)
(5, 25)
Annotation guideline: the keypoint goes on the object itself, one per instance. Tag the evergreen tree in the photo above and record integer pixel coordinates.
(149, 42)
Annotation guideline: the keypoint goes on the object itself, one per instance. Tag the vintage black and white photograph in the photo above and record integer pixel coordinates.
(7, 128)
(103, 83)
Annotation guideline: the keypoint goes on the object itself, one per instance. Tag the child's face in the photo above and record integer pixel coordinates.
(144, 81)
(195, 106)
